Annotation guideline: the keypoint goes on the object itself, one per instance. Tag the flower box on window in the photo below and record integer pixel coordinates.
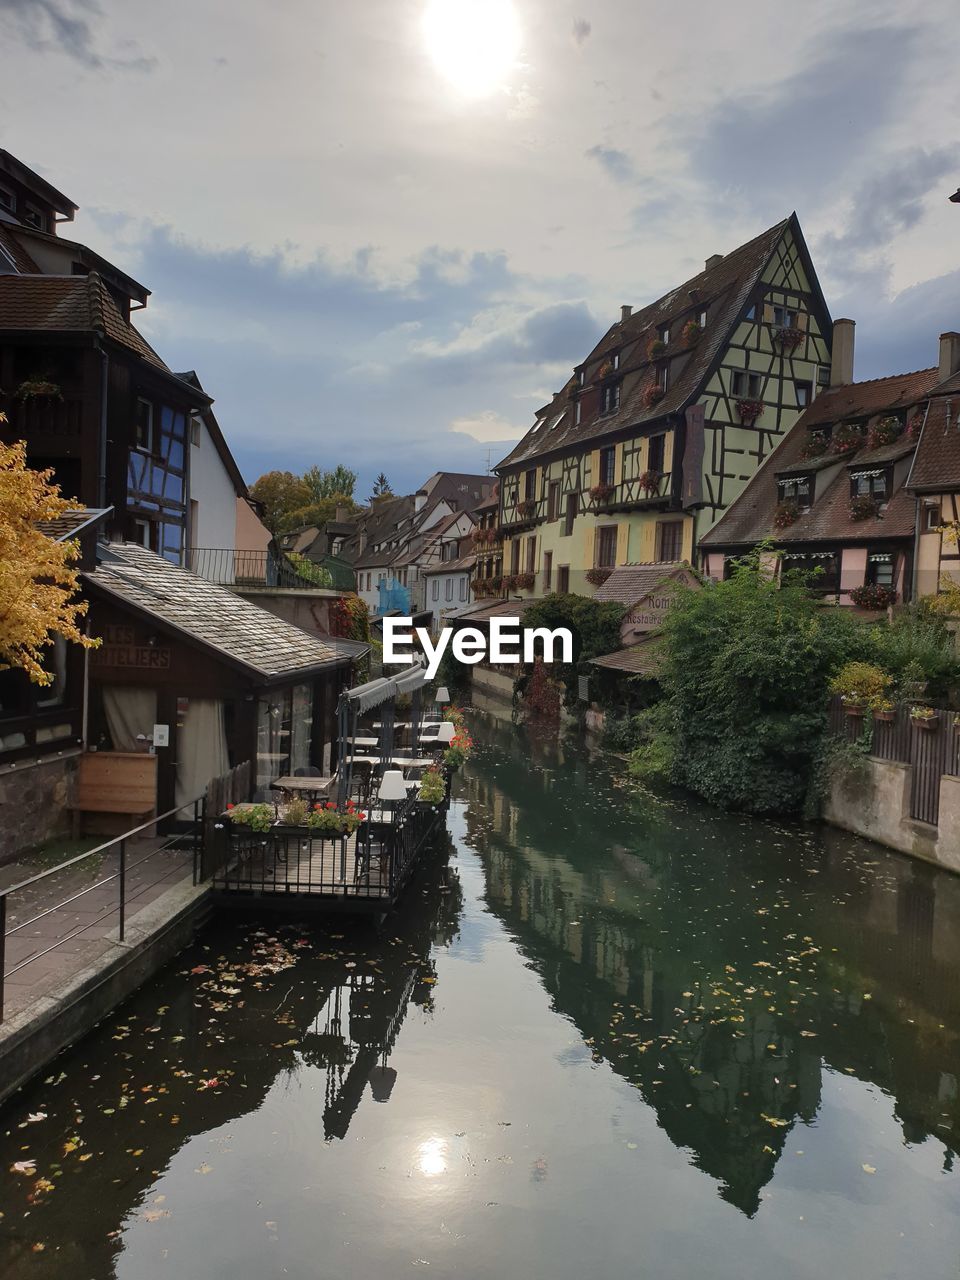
(786, 514)
(605, 369)
(601, 492)
(650, 482)
(884, 431)
(598, 576)
(653, 393)
(845, 441)
(788, 338)
(873, 596)
(815, 447)
(656, 348)
(523, 581)
(526, 509)
(863, 507)
(749, 410)
(37, 387)
(691, 333)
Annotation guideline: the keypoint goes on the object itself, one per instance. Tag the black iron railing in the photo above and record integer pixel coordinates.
(192, 838)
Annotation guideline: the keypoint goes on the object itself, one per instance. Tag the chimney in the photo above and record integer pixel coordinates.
(342, 514)
(419, 501)
(713, 261)
(841, 357)
(626, 311)
(949, 354)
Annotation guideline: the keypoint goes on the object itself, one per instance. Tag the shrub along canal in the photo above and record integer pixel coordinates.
(607, 1033)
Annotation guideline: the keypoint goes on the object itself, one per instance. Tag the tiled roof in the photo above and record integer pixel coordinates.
(643, 659)
(16, 252)
(466, 562)
(936, 466)
(750, 518)
(723, 289)
(69, 304)
(63, 528)
(209, 615)
(629, 583)
(492, 500)
(949, 386)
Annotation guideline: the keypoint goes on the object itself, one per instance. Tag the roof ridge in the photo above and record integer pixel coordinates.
(886, 377)
(95, 300)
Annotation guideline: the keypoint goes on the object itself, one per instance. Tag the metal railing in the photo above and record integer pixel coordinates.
(120, 876)
(254, 569)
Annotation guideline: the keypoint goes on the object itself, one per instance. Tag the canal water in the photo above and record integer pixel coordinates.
(609, 1034)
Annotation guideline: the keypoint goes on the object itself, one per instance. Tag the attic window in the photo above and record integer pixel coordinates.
(581, 377)
(8, 200)
(557, 420)
(610, 397)
(702, 318)
(577, 413)
(663, 333)
(747, 385)
(616, 360)
(33, 217)
(784, 317)
(869, 484)
(797, 489)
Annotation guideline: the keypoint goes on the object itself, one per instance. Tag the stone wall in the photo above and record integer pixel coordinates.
(35, 803)
(873, 800)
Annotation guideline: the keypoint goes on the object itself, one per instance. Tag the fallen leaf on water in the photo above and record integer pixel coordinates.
(868, 1168)
(35, 1116)
(204, 1168)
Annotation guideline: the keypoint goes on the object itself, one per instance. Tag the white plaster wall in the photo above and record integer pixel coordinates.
(212, 489)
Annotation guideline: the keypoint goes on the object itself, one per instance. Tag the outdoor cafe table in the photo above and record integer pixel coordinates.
(364, 742)
(401, 762)
(307, 786)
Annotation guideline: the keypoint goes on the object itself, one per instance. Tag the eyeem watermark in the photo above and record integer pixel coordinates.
(508, 643)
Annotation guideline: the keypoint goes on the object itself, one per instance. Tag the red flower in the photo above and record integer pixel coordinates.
(229, 806)
(318, 807)
(363, 817)
(331, 805)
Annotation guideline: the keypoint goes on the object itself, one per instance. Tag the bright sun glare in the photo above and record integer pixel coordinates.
(432, 1157)
(473, 43)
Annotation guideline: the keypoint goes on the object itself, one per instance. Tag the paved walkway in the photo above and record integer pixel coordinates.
(43, 954)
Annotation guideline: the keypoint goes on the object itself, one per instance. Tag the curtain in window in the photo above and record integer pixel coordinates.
(130, 713)
(201, 748)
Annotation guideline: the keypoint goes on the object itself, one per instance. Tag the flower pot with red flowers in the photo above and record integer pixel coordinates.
(845, 441)
(884, 431)
(523, 581)
(925, 718)
(653, 393)
(749, 410)
(656, 349)
(873, 596)
(508, 582)
(815, 447)
(691, 333)
(863, 507)
(605, 369)
(786, 514)
(598, 576)
(788, 338)
(650, 482)
(601, 492)
(526, 508)
(914, 425)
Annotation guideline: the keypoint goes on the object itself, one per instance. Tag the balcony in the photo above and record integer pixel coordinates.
(248, 570)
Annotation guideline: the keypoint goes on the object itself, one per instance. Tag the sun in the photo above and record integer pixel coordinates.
(473, 43)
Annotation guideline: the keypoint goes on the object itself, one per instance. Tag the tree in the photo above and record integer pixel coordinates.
(282, 494)
(747, 668)
(325, 485)
(38, 583)
(381, 488)
(595, 629)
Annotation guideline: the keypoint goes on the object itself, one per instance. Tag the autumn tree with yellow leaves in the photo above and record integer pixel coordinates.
(38, 580)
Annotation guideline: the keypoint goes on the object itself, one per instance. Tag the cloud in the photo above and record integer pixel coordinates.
(617, 164)
(65, 25)
(896, 335)
(581, 30)
(488, 427)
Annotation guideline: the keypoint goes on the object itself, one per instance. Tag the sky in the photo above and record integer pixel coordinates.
(382, 233)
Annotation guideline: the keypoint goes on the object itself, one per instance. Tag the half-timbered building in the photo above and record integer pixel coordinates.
(667, 419)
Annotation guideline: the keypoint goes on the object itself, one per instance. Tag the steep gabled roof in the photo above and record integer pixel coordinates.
(936, 465)
(724, 288)
(208, 615)
(749, 519)
(218, 438)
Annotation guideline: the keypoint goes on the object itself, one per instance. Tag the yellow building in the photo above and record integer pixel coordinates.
(667, 419)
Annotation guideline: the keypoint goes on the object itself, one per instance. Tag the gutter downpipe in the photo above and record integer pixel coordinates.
(102, 466)
(916, 510)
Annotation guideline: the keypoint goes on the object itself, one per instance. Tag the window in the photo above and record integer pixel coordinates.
(746, 385)
(869, 484)
(751, 312)
(655, 454)
(663, 333)
(570, 514)
(530, 484)
(669, 540)
(515, 556)
(823, 375)
(581, 376)
(616, 360)
(577, 413)
(880, 568)
(610, 397)
(608, 460)
(804, 393)
(932, 517)
(547, 569)
(796, 489)
(821, 568)
(141, 532)
(435, 591)
(606, 553)
(784, 317)
(531, 554)
(448, 589)
(553, 500)
(143, 427)
(663, 376)
(702, 318)
(34, 217)
(8, 200)
(463, 586)
(195, 430)
(563, 579)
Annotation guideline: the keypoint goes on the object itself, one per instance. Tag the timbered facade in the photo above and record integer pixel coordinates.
(667, 420)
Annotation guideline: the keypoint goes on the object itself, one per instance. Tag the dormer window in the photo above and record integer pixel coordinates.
(869, 484)
(663, 376)
(615, 359)
(663, 333)
(610, 397)
(8, 200)
(798, 489)
(577, 413)
(581, 377)
(702, 317)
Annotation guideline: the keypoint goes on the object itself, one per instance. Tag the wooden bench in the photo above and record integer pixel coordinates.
(118, 783)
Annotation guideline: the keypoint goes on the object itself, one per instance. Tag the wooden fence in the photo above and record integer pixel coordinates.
(235, 787)
(930, 747)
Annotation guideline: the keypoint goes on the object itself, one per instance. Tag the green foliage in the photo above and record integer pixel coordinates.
(748, 663)
(258, 817)
(381, 488)
(294, 502)
(861, 682)
(433, 786)
(652, 755)
(917, 639)
(337, 484)
(595, 629)
(309, 571)
(281, 494)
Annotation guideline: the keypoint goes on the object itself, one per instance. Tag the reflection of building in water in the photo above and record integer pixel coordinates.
(723, 1022)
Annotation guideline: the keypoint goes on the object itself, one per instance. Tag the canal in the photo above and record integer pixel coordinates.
(609, 1033)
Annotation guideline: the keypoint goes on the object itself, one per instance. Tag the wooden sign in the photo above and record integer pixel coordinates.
(145, 657)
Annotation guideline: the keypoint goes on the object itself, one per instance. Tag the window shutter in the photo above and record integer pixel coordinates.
(595, 467)
(623, 539)
(668, 453)
(618, 465)
(589, 552)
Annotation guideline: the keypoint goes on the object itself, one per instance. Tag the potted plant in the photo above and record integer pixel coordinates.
(524, 581)
(650, 482)
(656, 348)
(605, 370)
(873, 596)
(860, 684)
(863, 506)
(786, 514)
(327, 820)
(788, 338)
(749, 410)
(923, 717)
(691, 333)
(653, 393)
(258, 817)
(598, 576)
(846, 440)
(914, 425)
(815, 447)
(508, 582)
(433, 786)
(526, 508)
(601, 492)
(884, 431)
(38, 387)
(884, 710)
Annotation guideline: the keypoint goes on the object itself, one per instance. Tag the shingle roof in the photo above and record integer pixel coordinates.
(208, 615)
(936, 465)
(466, 562)
(63, 528)
(723, 289)
(750, 518)
(69, 304)
(16, 252)
(629, 583)
(643, 659)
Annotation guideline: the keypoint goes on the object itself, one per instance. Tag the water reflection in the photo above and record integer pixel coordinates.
(723, 967)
